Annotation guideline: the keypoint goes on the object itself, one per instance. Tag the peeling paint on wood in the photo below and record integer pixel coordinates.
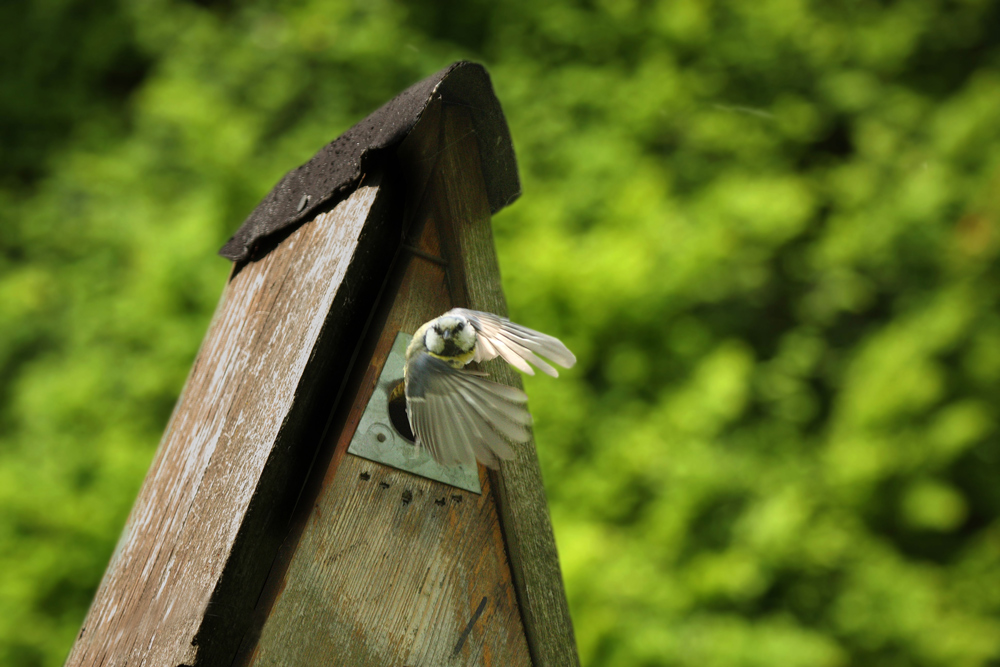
(227, 427)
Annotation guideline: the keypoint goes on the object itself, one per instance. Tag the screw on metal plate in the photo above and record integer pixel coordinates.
(376, 439)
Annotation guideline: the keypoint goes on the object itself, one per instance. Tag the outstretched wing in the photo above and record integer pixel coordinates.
(460, 416)
(499, 337)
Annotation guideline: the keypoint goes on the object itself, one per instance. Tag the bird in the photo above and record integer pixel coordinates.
(458, 414)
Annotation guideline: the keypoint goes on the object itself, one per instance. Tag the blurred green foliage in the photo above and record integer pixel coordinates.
(769, 230)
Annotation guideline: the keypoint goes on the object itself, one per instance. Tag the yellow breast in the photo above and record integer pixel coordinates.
(457, 361)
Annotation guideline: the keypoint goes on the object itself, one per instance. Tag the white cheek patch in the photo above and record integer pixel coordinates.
(466, 338)
(434, 342)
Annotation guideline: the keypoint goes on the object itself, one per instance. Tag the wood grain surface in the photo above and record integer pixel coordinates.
(214, 506)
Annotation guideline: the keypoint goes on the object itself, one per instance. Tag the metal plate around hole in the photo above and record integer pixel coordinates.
(394, 450)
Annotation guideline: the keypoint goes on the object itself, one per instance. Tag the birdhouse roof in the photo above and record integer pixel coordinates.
(337, 169)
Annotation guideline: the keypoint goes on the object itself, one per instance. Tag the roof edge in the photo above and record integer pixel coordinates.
(336, 170)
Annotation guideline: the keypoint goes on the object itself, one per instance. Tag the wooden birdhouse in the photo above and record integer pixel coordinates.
(287, 518)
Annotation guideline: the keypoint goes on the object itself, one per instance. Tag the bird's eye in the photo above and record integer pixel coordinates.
(461, 325)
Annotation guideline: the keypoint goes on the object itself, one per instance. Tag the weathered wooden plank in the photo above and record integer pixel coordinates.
(475, 281)
(390, 568)
(213, 509)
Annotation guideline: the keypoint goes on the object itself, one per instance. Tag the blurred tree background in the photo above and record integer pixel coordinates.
(769, 230)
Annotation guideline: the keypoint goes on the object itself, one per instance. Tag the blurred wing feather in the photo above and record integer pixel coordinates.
(499, 337)
(460, 416)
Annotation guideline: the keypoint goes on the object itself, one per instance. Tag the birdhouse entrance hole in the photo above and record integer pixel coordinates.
(383, 433)
(398, 415)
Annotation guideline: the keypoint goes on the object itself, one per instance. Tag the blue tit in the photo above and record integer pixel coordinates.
(456, 413)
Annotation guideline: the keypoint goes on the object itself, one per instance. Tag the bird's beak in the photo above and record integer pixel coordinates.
(446, 334)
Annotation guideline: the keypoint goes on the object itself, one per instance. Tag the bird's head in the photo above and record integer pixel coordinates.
(450, 336)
